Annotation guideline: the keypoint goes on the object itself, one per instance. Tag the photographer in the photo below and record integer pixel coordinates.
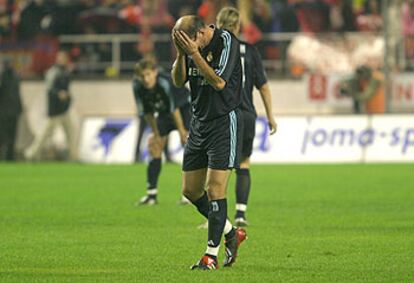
(366, 87)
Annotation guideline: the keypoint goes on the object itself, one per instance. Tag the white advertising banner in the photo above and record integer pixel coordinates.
(392, 139)
(299, 139)
(330, 139)
(108, 140)
(313, 139)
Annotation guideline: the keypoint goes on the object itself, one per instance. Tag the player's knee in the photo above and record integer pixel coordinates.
(154, 150)
(190, 193)
(216, 191)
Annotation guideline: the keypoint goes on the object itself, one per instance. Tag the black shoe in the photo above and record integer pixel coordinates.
(205, 263)
(232, 246)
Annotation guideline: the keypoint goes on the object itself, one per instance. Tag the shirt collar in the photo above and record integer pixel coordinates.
(214, 39)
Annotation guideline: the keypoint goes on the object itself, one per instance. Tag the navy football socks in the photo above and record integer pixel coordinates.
(242, 191)
(153, 172)
(217, 216)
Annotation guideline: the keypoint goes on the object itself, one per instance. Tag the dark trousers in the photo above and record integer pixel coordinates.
(8, 130)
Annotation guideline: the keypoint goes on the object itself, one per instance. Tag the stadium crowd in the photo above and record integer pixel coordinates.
(25, 19)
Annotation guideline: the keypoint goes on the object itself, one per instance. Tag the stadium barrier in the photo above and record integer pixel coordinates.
(283, 53)
(300, 139)
(113, 101)
(330, 139)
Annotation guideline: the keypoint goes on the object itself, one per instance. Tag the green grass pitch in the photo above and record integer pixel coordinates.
(309, 223)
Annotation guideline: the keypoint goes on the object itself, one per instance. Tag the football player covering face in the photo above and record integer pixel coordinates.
(209, 59)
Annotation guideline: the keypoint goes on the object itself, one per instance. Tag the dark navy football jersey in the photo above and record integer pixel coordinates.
(253, 74)
(159, 100)
(181, 94)
(223, 55)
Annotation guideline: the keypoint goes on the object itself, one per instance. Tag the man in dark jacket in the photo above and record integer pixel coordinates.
(10, 109)
(59, 101)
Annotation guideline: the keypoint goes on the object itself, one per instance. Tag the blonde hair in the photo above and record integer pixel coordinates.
(228, 18)
(145, 64)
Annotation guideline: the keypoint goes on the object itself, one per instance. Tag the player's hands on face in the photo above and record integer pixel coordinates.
(187, 44)
(177, 46)
(272, 126)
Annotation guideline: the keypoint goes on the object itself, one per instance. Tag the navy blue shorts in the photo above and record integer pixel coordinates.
(215, 144)
(166, 124)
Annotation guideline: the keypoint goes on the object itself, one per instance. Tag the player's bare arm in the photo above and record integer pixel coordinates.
(190, 48)
(180, 126)
(267, 101)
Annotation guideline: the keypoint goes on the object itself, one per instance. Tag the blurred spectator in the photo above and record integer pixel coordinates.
(156, 15)
(5, 19)
(105, 19)
(10, 109)
(262, 15)
(371, 18)
(342, 16)
(33, 18)
(148, 17)
(64, 17)
(59, 101)
(313, 15)
(366, 87)
(408, 27)
(284, 17)
(132, 13)
(408, 17)
(156, 19)
(210, 8)
(179, 8)
(251, 33)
